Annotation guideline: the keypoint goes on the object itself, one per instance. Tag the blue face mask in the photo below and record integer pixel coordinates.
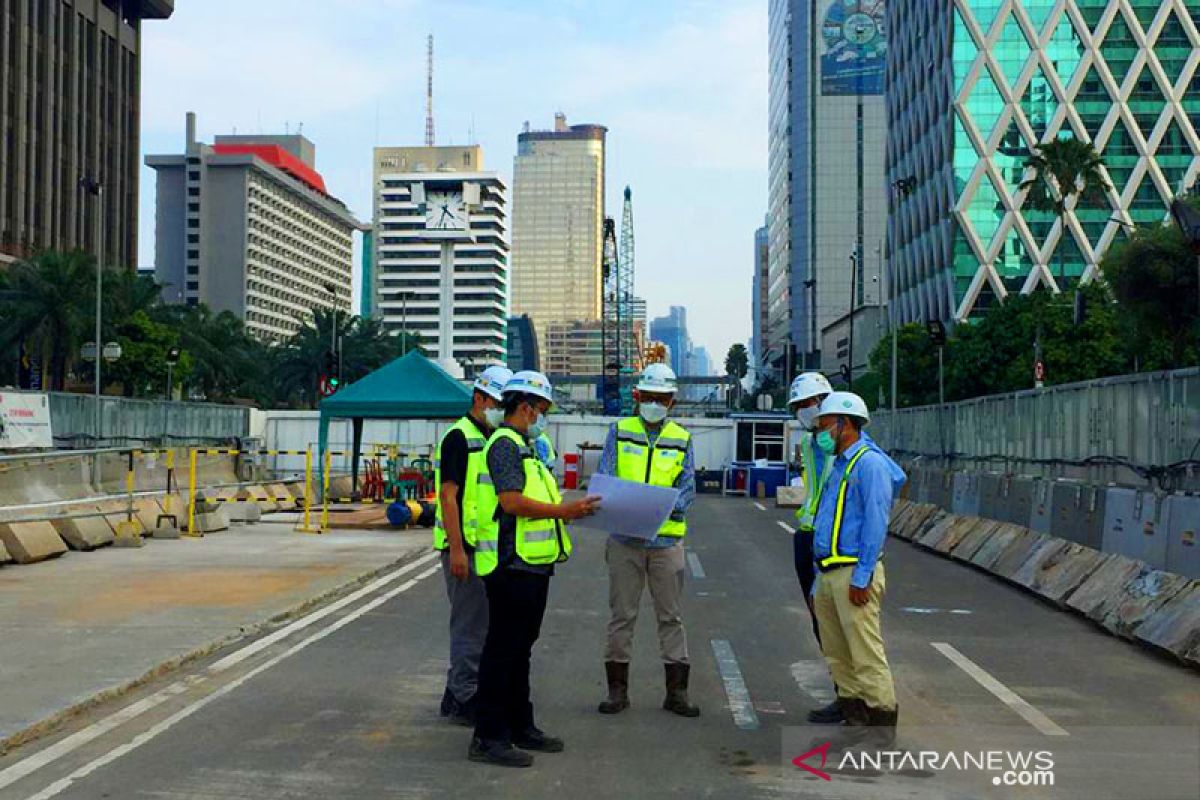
(537, 427)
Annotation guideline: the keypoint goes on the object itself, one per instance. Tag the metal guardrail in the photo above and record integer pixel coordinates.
(1133, 429)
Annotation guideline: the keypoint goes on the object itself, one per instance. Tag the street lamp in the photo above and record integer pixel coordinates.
(333, 333)
(93, 187)
(853, 293)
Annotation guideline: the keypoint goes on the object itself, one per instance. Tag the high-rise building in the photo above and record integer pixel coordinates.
(827, 198)
(558, 224)
(449, 286)
(573, 348)
(522, 345)
(758, 298)
(246, 225)
(70, 87)
(672, 331)
(975, 85)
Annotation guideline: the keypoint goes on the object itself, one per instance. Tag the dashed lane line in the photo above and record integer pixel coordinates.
(740, 704)
(694, 563)
(1007, 696)
(759, 506)
(785, 526)
(813, 679)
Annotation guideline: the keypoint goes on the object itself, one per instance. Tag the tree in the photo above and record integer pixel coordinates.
(1153, 276)
(737, 361)
(1063, 168)
(48, 307)
(142, 367)
(916, 378)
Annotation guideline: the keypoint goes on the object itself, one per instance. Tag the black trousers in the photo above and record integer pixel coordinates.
(806, 571)
(516, 605)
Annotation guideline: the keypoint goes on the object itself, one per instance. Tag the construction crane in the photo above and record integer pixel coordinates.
(621, 353)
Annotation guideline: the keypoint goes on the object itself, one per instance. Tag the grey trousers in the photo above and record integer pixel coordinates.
(629, 570)
(468, 629)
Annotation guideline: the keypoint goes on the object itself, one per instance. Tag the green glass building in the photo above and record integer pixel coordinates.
(973, 85)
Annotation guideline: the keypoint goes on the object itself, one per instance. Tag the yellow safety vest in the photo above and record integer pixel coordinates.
(539, 541)
(835, 556)
(551, 455)
(660, 465)
(813, 482)
(466, 514)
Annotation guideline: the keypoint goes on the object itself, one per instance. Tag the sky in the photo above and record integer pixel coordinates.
(681, 85)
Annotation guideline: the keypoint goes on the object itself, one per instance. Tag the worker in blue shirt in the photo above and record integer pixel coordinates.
(849, 532)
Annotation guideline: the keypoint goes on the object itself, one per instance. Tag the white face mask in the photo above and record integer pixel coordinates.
(653, 413)
(537, 427)
(494, 417)
(807, 417)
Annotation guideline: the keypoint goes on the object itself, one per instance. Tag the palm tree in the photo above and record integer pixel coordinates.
(49, 307)
(1062, 169)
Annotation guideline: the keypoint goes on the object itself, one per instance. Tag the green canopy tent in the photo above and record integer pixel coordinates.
(411, 387)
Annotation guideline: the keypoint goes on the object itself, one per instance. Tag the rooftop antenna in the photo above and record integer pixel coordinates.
(429, 94)
(299, 128)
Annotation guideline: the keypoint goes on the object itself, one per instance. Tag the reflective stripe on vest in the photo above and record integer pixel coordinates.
(466, 514)
(814, 482)
(660, 465)
(538, 541)
(835, 556)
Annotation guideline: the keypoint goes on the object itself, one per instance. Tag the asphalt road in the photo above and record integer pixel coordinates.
(345, 705)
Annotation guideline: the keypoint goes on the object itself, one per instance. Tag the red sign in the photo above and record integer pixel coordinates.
(1039, 371)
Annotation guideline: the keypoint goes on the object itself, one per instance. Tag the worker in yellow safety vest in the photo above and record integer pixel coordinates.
(850, 529)
(649, 448)
(457, 466)
(519, 538)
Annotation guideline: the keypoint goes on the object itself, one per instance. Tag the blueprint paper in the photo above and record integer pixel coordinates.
(629, 508)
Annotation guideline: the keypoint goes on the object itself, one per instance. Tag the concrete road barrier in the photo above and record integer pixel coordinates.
(295, 488)
(954, 534)
(29, 542)
(932, 534)
(1140, 598)
(285, 499)
(1060, 572)
(84, 533)
(5, 558)
(974, 539)
(243, 511)
(990, 551)
(212, 521)
(1175, 625)
(1023, 545)
(1097, 594)
(901, 509)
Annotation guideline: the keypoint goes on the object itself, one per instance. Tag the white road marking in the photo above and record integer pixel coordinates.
(76, 740)
(813, 679)
(735, 686)
(63, 784)
(694, 563)
(760, 506)
(1007, 696)
(921, 610)
(785, 526)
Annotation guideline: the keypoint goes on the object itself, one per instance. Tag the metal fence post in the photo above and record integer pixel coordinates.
(191, 529)
(325, 491)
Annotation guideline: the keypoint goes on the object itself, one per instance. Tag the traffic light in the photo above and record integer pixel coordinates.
(937, 332)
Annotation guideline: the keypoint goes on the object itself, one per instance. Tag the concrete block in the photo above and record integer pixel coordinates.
(259, 496)
(5, 558)
(901, 508)
(934, 533)
(1016, 498)
(1140, 599)
(989, 552)
(285, 499)
(84, 533)
(955, 534)
(790, 496)
(1183, 535)
(295, 488)
(1094, 596)
(990, 495)
(130, 535)
(243, 511)
(935, 517)
(1039, 509)
(1077, 513)
(147, 511)
(1133, 526)
(1175, 625)
(919, 519)
(1056, 573)
(940, 491)
(165, 531)
(341, 486)
(1023, 545)
(29, 542)
(965, 494)
(212, 521)
(974, 539)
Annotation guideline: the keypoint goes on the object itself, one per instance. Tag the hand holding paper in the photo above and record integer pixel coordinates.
(629, 508)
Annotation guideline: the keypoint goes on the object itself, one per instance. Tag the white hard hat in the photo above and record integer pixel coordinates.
(808, 384)
(530, 382)
(491, 381)
(658, 379)
(847, 404)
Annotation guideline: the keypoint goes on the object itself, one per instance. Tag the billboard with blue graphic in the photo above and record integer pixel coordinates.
(855, 43)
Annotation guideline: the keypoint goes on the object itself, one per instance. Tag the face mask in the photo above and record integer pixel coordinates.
(826, 442)
(807, 417)
(653, 413)
(494, 417)
(537, 427)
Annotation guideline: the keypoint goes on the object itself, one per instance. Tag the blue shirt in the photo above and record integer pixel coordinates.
(871, 488)
(686, 484)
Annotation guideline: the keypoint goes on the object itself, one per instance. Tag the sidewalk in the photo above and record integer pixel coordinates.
(88, 623)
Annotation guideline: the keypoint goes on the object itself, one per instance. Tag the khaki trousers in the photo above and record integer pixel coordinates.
(629, 570)
(851, 638)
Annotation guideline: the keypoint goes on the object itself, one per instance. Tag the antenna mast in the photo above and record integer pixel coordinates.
(429, 94)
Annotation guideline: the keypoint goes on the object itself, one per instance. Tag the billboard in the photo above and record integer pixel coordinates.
(24, 420)
(855, 48)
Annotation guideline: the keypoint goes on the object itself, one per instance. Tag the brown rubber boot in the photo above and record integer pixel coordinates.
(618, 688)
(676, 700)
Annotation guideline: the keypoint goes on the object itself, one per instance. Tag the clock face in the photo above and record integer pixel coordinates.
(859, 29)
(445, 211)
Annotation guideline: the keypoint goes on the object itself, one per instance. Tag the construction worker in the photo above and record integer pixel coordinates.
(520, 536)
(459, 461)
(651, 449)
(804, 400)
(850, 528)
(544, 448)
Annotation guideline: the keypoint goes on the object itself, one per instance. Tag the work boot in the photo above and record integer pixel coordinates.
(449, 704)
(855, 712)
(676, 700)
(502, 754)
(535, 739)
(883, 725)
(618, 688)
(464, 713)
(828, 715)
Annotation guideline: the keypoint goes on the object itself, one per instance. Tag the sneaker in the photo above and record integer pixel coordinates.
(502, 754)
(535, 739)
